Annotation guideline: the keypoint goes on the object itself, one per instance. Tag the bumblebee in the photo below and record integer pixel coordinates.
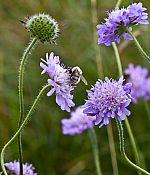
(76, 76)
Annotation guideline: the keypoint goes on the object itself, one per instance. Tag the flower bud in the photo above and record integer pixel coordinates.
(43, 27)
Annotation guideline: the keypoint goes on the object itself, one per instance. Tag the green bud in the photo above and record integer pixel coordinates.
(43, 27)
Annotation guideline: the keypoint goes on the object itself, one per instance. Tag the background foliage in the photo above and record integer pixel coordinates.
(43, 143)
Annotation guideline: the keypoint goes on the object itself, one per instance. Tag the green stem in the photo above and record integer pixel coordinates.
(137, 160)
(117, 59)
(96, 47)
(138, 45)
(133, 143)
(148, 114)
(21, 103)
(118, 4)
(112, 149)
(122, 149)
(126, 120)
(22, 126)
(101, 75)
(93, 138)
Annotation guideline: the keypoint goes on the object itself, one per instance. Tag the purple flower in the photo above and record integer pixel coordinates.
(108, 99)
(77, 123)
(59, 80)
(117, 21)
(147, 89)
(140, 82)
(13, 168)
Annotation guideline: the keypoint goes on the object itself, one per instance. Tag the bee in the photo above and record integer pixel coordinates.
(76, 76)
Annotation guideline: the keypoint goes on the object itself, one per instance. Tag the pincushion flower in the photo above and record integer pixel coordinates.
(14, 168)
(108, 99)
(117, 21)
(140, 82)
(59, 80)
(77, 123)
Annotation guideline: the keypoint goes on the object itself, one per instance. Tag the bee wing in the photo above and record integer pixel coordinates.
(84, 80)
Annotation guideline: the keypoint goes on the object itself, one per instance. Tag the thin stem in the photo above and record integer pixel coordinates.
(101, 75)
(22, 126)
(148, 114)
(126, 120)
(138, 45)
(96, 48)
(118, 4)
(132, 142)
(122, 149)
(21, 103)
(93, 138)
(117, 59)
(112, 149)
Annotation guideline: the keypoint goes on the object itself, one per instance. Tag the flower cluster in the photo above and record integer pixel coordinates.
(108, 99)
(14, 168)
(138, 76)
(59, 80)
(77, 123)
(43, 27)
(117, 21)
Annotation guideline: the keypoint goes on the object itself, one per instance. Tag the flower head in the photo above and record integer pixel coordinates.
(147, 89)
(140, 82)
(117, 21)
(108, 99)
(43, 27)
(59, 80)
(14, 168)
(77, 123)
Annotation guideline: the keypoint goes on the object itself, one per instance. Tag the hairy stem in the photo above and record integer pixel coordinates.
(137, 160)
(138, 45)
(101, 75)
(21, 101)
(122, 149)
(94, 143)
(132, 140)
(126, 120)
(112, 149)
(22, 126)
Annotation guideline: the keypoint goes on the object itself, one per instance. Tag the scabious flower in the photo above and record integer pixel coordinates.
(77, 123)
(14, 168)
(43, 27)
(59, 80)
(117, 21)
(147, 89)
(108, 99)
(140, 82)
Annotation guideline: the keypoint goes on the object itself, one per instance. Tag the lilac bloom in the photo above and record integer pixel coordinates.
(140, 82)
(147, 89)
(117, 21)
(59, 80)
(108, 99)
(14, 168)
(77, 123)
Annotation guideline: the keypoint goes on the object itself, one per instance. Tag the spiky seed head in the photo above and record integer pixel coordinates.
(43, 27)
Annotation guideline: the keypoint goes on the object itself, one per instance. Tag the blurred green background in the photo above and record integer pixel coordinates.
(44, 145)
